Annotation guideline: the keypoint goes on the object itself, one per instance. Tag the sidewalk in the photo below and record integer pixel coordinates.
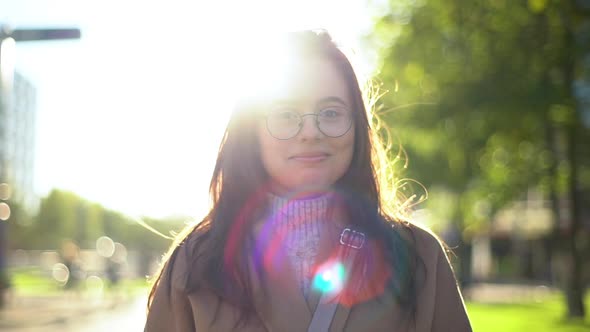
(30, 311)
(39, 313)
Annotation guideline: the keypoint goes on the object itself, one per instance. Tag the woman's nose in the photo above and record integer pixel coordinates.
(309, 127)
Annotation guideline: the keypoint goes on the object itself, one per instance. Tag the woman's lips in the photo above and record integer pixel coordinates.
(310, 157)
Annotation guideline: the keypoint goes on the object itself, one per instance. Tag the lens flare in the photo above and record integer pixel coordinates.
(329, 277)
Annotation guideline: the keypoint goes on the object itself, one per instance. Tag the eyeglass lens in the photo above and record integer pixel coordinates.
(285, 123)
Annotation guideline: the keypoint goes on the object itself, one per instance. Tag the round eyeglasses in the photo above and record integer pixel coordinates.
(284, 124)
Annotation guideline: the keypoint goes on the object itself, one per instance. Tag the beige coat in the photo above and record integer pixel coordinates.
(282, 307)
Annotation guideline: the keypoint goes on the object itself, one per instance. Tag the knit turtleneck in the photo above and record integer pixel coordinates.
(301, 221)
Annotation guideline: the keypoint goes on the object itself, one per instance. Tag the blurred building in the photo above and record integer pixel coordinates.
(17, 143)
(527, 240)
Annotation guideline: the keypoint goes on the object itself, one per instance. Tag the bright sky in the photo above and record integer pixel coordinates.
(131, 114)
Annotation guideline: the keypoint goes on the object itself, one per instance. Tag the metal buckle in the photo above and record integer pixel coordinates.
(355, 239)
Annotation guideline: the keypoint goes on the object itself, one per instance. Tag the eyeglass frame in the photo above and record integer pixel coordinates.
(317, 124)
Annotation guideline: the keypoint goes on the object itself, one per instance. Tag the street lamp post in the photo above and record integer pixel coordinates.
(8, 40)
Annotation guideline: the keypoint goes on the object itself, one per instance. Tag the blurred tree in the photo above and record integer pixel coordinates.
(89, 223)
(478, 89)
(55, 221)
(114, 224)
(20, 220)
(64, 215)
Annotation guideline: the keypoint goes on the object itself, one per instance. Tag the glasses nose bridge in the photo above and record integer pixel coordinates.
(306, 130)
(307, 114)
(302, 120)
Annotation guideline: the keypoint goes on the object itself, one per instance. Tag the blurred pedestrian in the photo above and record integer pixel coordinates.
(70, 255)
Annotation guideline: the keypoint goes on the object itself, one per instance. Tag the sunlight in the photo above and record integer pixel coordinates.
(147, 97)
(260, 73)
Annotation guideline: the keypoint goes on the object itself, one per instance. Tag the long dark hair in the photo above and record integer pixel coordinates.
(238, 188)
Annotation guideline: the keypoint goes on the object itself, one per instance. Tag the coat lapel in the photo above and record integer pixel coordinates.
(279, 302)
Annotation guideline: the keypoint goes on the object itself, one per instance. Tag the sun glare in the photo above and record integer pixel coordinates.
(260, 71)
(156, 95)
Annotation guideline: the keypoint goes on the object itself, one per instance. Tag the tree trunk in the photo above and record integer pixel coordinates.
(574, 284)
(577, 73)
(463, 248)
(551, 240)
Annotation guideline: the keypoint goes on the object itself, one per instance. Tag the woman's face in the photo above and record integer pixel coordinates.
(310, 160)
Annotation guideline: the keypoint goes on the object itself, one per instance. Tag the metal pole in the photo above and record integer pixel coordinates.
(7, 49)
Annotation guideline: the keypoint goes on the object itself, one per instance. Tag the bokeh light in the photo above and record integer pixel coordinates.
(105, 246)
(60, 273)
(5, 191)
(4, 211)
(120, 254)
(94, 286)
(94, 282)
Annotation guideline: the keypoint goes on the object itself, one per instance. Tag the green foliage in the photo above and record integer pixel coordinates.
(486, 81)
(547, 315)
(35, 282)
(56, 220)
(65, 216)
(486, 98)
(18, 224)
(31, 281)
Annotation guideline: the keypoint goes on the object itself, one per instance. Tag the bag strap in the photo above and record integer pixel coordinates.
(323, 315)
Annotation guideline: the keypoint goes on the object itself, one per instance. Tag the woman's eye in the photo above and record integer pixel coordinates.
(331, 113)
(283, 114)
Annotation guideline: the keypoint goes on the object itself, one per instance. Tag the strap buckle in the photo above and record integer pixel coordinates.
(352, 238)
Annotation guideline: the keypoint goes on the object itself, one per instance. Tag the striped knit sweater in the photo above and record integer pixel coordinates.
(302, 221)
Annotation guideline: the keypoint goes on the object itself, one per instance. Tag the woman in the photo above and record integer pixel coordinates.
(298, 238)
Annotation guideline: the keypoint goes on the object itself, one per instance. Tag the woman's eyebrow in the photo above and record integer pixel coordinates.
(332, 99)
